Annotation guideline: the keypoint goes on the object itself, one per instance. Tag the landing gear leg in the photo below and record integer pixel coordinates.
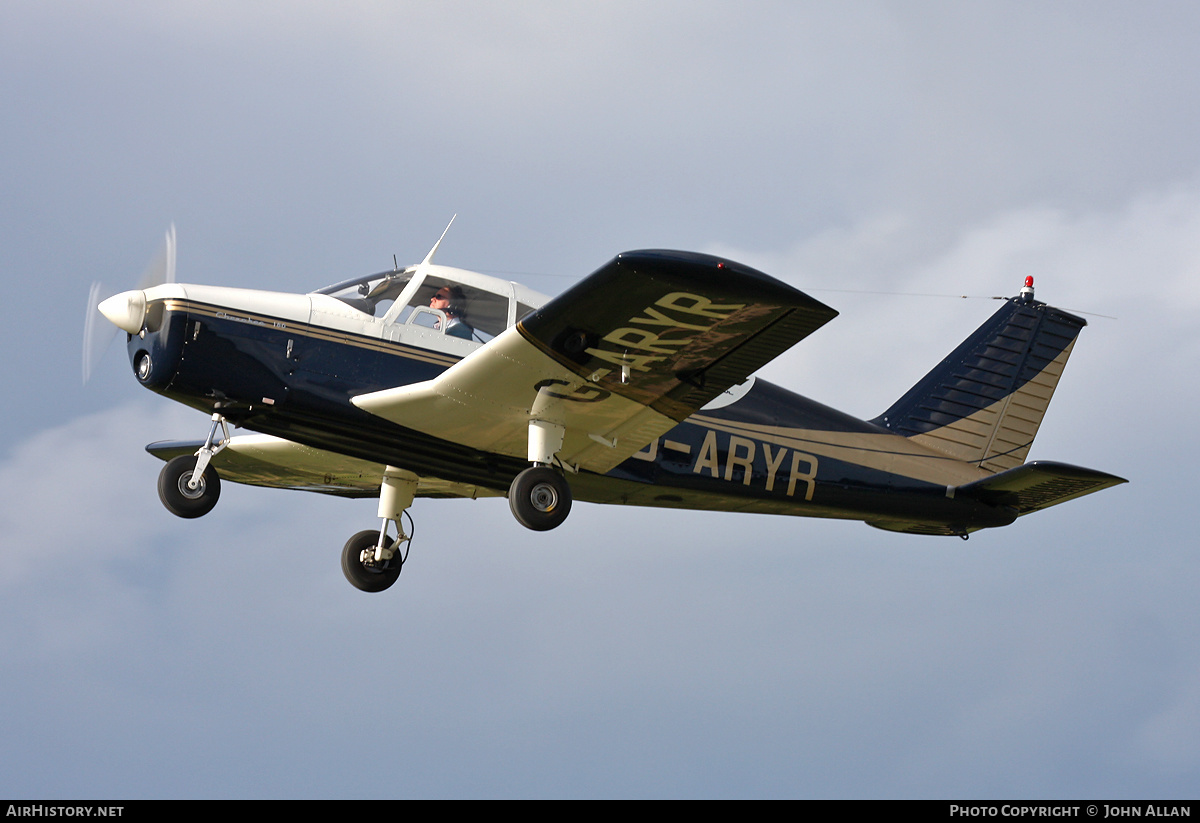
(207, 451)
(540, 497)
(188, 486)
(372, 560)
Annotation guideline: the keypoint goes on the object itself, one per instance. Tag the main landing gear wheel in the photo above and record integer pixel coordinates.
(368, 576)
(180, 499)
(540, 498)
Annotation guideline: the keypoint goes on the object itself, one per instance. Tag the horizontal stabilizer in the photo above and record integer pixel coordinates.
(1038, 485)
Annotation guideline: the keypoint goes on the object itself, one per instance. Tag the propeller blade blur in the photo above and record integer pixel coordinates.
(162, 267)
(98, 333)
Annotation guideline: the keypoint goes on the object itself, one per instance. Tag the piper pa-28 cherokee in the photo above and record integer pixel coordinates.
(634, 387)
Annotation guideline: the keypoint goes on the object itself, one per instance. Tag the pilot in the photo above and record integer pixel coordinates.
(450, 300)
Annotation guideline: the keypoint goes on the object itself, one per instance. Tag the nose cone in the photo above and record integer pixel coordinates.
(126, 310)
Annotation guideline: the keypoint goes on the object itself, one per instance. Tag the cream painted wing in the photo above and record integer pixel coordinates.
(617, 360)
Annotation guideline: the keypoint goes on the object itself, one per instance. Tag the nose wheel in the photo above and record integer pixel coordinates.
(540, 498)
(189, 486)
(183, 496)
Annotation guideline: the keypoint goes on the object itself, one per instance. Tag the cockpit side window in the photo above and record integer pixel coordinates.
(471, 313)
(436, 302)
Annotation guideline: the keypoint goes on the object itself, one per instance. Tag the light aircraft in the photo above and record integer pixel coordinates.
(635, 386)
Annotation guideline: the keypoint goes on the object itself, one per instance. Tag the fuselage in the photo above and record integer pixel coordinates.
(288, 365)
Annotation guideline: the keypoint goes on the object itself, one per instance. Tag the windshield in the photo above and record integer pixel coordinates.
(372, 294)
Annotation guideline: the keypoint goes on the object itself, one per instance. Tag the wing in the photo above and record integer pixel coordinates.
(617, 360)
(263, 460)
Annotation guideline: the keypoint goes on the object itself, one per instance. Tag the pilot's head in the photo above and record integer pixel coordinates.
(449, 299)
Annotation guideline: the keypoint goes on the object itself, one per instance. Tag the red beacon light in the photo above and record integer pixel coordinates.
(1027, 290)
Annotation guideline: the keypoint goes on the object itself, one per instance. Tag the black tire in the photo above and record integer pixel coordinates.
(540, 498)
(174, 493)
(372, 577)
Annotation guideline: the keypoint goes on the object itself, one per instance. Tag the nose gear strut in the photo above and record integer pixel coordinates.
(207, 451)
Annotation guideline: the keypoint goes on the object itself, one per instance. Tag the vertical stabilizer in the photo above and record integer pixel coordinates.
(983, 403)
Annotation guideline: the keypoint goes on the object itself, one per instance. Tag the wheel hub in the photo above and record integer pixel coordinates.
(186, 490)
(544, 497)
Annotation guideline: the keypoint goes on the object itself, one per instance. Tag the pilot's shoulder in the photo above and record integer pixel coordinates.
(460, 329)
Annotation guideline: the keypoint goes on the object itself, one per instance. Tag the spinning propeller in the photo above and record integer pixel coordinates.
(123, 310)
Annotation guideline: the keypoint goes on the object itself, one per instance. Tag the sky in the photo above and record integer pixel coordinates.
(886, 157)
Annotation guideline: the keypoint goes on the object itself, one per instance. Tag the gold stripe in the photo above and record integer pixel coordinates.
(883, 452)
(315, 332)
